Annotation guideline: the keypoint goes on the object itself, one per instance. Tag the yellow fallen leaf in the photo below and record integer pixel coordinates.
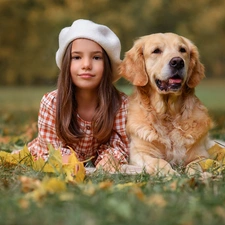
(220, 211)
(66, 196)
(24, 203)
(55, 157)
(7, 157)
(89, 188)
(74, 169)
(208, 164)
(129, 184)
(23, 157)
(29, 184)
(156, 200)
(139, 193)
(41, 165)
(217, 152)
(46, 186)
(53, 185)
(52, 165)
(105, 184)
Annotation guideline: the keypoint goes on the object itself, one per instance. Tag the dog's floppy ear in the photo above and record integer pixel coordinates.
(132, 67)
(196, 71)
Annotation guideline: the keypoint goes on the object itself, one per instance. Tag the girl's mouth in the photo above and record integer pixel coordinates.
(86, 75)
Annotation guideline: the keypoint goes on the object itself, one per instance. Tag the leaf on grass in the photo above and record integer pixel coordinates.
(129, 184)
(52, 165)
(217, 152)
(209, 164)
(23, 157)
(74, 169)
(105, 184)
(66, 196)
(220, 211)
(55, 157)
(156, 200)
(29, 184)
(37, 190)
(42, 188)
(24, 203)
(41, 165)
(53, 185)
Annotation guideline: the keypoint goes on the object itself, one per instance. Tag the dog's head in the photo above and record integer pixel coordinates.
(168, 61)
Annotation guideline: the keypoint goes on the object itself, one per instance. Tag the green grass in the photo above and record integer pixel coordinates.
(21, 98)
(212, 94)
(181, 200)
(158, 200)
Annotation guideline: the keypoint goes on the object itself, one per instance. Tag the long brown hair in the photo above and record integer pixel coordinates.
(109, 101)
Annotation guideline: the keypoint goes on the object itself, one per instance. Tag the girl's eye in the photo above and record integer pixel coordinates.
(97, 57)
(76, 57)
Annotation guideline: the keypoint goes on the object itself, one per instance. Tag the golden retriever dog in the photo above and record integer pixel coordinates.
(167, 124)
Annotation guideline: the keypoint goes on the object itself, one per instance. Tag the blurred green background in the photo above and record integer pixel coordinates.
(29, 31)
(29, 39)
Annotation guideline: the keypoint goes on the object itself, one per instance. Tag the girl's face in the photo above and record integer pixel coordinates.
(87, 64)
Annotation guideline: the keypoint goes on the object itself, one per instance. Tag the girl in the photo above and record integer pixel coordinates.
(86, 113)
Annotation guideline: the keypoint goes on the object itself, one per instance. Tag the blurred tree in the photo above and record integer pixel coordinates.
(29, 31)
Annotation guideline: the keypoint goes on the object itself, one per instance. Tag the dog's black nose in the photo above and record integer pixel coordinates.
(177, 63)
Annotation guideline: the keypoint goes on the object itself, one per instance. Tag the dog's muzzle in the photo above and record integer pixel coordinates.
(174, 82)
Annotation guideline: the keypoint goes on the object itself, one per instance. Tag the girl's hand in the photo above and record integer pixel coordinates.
(109, 164)
(65, 159)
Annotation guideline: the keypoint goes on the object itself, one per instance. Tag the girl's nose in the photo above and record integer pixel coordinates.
(86, 63)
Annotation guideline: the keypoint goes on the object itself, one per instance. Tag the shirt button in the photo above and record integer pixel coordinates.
(88, 127)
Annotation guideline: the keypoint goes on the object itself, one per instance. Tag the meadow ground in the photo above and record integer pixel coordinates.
(103, 198)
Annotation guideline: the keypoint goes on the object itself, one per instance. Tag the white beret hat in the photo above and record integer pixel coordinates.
(98, 33)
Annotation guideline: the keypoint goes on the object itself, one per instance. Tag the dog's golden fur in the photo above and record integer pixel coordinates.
(167, 124)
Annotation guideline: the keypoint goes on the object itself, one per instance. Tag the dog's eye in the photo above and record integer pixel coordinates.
(157, 51)
(182, 50)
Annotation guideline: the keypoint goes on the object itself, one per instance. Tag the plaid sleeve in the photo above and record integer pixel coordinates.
(118, 146)
(46, 128)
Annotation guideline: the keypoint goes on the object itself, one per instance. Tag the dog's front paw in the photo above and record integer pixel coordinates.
(162, 168)
(193, 168)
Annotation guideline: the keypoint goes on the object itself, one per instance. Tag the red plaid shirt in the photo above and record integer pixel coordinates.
(88, 146)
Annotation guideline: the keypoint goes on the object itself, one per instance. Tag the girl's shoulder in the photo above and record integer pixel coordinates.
(49, 99)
